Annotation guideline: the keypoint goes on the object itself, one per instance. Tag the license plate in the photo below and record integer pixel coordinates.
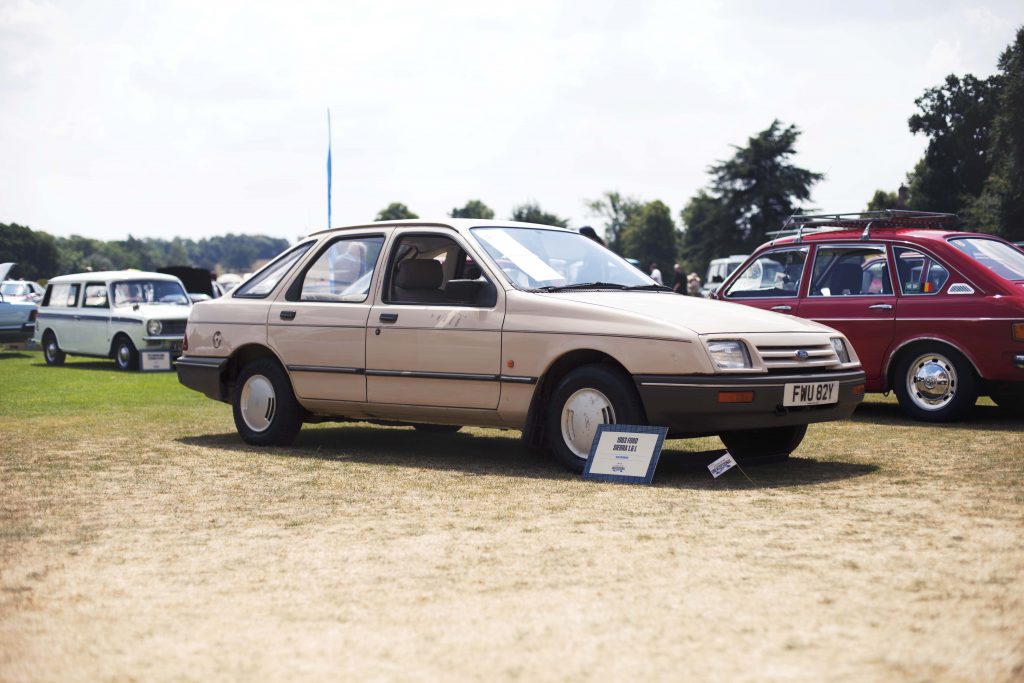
(810, 393)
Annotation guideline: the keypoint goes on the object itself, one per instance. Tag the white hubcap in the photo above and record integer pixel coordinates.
(581, 414)
(931, 381)
(258, 403)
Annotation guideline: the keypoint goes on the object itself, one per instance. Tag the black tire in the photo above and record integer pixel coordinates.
(437, 429)
(126, 357)
(264, 406)
(771, 444)
(588, 386)
(935, 384)
(51, 350)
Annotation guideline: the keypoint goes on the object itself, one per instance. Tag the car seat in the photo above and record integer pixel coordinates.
(846, 279)
(419, 281)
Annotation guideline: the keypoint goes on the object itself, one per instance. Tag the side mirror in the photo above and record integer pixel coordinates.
(476, 292)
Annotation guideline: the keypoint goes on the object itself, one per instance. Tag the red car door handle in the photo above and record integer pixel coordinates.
(881, 307)
(782, 308)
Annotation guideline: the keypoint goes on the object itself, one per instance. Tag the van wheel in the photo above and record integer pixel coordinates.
(437, 429)
(51, 351)
(588, 396)
(266, 412)
(935, 385)
(763, 445)
(125, 355)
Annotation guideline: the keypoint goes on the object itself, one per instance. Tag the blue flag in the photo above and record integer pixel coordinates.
(328, 168)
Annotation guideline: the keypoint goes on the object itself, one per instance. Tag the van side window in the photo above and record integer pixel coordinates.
(95, 296)
(63, 295)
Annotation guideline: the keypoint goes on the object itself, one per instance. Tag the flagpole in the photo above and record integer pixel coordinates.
(328, 167)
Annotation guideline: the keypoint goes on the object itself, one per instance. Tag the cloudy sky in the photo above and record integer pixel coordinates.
(202, 118)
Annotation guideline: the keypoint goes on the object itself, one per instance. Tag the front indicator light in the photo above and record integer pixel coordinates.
(857, 389)
(735, 396)
(729, 355)
(1017, 331)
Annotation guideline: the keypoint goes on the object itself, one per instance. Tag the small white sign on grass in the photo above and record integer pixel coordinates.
(154, 361)
(722, 465)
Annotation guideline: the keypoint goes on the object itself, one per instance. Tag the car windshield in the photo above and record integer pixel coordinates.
(149, 292)
(538, 258)
(999, 257)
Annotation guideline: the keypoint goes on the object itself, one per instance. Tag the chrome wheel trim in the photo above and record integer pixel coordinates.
(51, 350)
(258, 403)
(124, 355)
(581, 414)
(931, 381)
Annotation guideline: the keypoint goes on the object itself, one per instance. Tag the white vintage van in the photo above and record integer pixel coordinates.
(115, 314)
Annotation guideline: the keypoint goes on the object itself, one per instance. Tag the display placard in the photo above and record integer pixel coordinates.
(626, 454)
(154, 361)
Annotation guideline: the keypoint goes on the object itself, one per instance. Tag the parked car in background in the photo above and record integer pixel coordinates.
(24, 291)
(718, 270)
(199, 282)
(17, 317)
(514, 325)
(114, 315)
(935, 314)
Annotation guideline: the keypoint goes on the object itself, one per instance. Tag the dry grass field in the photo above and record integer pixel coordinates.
(140, 540)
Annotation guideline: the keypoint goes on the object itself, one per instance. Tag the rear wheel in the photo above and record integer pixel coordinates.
(264, 406)
(763, 445)
(935, 385)
(125, 355)
(51, 351)
(587, 397)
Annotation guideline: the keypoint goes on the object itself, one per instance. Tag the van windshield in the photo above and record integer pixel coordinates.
(149, 292)
(999, 257)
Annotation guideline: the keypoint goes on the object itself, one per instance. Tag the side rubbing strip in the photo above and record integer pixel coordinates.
(326, 368)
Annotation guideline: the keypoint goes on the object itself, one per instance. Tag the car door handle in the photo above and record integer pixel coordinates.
(287, 315)
(782, 308)
(389, 317)
(881, 307)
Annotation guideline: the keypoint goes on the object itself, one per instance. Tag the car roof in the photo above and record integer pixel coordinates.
(856, 235)
(107, 275)
(460, 224)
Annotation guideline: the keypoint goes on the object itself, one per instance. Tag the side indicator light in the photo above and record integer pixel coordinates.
(1017, 331)
(857, 389)
(184, 343)
(735, 396)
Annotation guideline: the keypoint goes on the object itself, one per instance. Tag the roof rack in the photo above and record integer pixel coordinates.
(799, 224)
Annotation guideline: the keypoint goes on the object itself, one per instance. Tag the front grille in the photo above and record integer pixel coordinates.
(787, 358)
(173, 327)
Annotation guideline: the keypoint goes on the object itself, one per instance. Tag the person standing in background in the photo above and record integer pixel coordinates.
(678, 280)
(693, 284)
(656, 274)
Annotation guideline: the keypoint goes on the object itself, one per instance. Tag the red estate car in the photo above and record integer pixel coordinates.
(935, 314)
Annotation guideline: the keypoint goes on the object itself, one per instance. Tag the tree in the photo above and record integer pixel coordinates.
(474, 208)
(750, 194)
(650, 237)
(617, 211)
(883, 200)
(35, 253)
(531, 212)
(957, 118)
(999, 207)
(395, 211)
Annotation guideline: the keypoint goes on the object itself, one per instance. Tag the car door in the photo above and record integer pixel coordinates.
(93, 319)
(318, 325)
(851, 290)
(61, 311)
(434, 336)
(771, 281)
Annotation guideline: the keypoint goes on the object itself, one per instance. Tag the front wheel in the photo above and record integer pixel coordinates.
(125, 355)
(763, 445)
(51, 351)
(264, 406)
(935, 385)
(587, 397)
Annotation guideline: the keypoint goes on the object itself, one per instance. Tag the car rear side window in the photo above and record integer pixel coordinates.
(260, 285)
(772, 275)
(62, 295)
(342, 273)
(999, 257)
(860, 270)
(919, 273)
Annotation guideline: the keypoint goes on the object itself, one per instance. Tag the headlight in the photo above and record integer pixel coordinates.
(729, 355)
(840, 346)
(154, 327)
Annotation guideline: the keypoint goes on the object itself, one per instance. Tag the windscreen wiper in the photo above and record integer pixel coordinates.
(649, 288)
(582, 285)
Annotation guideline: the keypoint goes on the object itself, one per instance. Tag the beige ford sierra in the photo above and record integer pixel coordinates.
(510, 325)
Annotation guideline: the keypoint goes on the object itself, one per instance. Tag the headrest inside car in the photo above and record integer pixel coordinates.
(419, 274)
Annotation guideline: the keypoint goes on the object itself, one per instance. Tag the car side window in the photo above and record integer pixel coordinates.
(919, 273)
(854, 270)
(63, 295)
(343, 271)
(433, 269)
(95, 296)
(774, 274)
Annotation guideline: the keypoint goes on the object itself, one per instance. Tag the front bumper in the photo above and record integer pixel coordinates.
(688, 404)
(203, 374)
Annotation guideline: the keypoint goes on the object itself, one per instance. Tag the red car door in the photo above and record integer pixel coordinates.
(851, 290)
